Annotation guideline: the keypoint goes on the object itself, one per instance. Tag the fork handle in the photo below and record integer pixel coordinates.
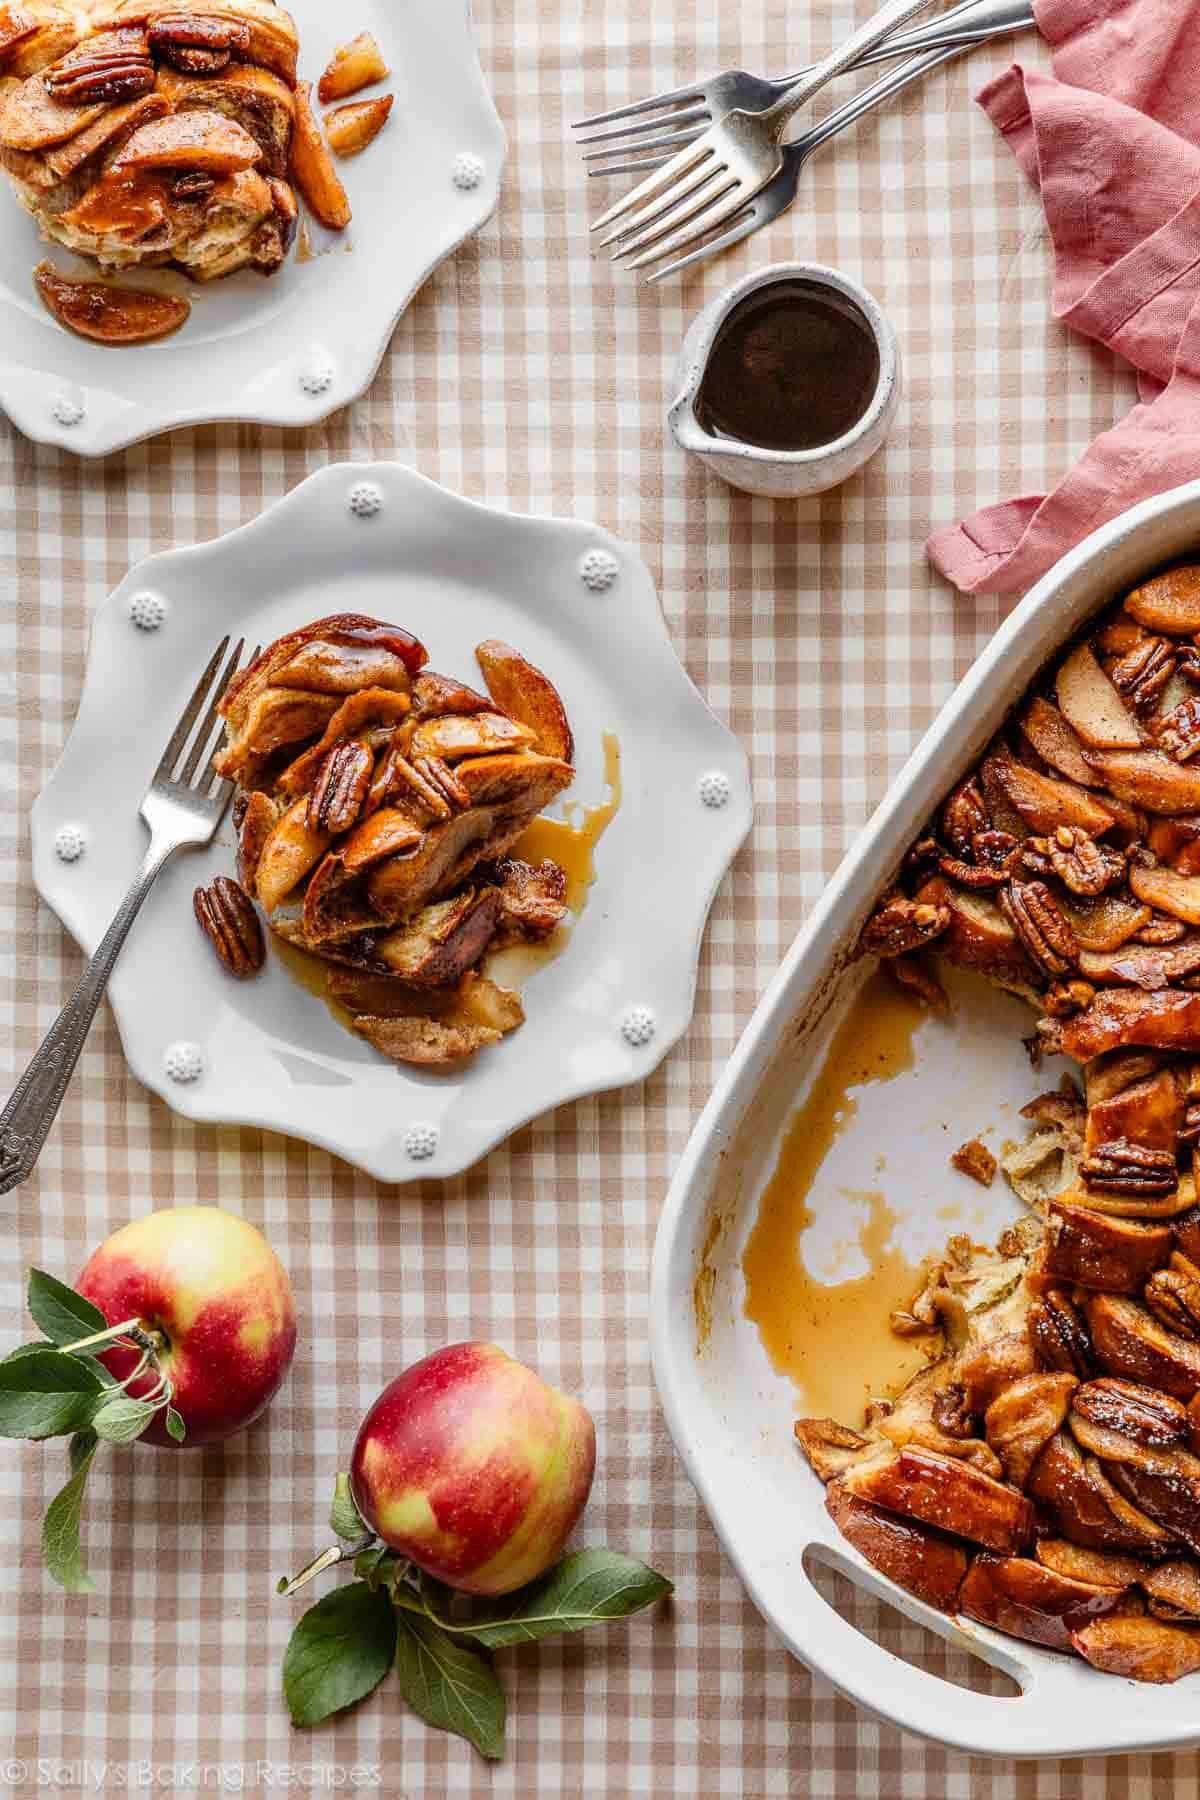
(33, 1106)
(888, 19)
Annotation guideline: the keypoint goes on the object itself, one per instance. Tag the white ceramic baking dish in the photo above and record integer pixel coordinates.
(729, 1413)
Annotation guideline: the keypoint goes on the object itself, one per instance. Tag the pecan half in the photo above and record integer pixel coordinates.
(921, 860)
(340, 788)
(1046, 935)
(192, 188)
(971, 875)
(226, 915)
(965, 813)
(1059, 1334)
(421, 786)
(444, 779)
(1123, 1167)
(1173, 1296)
(1143, 672)
(1081, 864)
(900, 925)
(951, 1413)
(1062, 998)
(113, 65)
(1178, 732)
(1149, 1417)
(198, 43)
(1161, 930)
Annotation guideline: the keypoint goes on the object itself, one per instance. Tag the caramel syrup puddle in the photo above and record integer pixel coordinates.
(570, 842)
(833, 1339)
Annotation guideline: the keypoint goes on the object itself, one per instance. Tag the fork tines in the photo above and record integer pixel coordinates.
(210, 688)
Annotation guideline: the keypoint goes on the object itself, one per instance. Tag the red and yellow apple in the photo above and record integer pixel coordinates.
(472, 1467)
(213, 1294)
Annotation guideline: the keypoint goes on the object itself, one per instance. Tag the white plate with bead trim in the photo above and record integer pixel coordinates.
(294, 347)
(381, 540)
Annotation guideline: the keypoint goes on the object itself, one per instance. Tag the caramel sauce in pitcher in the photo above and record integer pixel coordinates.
(833, 1339)
(794, 366)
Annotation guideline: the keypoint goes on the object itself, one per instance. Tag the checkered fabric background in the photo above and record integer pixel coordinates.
(529, 373)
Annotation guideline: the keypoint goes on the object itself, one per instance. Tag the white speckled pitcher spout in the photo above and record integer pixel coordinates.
(785, 474)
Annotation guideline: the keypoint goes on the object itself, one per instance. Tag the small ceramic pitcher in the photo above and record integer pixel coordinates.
(785, 474)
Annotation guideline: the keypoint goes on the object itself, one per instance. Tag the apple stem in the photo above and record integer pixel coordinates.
(132, 1328)
(336, 1553)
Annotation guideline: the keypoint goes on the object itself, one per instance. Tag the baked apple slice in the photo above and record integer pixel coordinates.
(1141, 1649)
(526, 695)
(443, 941)
(312, 167)
(204, 142)
(1029, 1601)
(1092, 706)
(109, 315)
(1148, 779)
(1169, 602)
(1045, 729)
(1167, 891)
(916, 1557)
(290, 852)
(1045, 802)
(1023, 1418)
(17, 26)
(351, 68)
(477, 734)
(350, 129)
(1075, 1492)
(1099, 1568)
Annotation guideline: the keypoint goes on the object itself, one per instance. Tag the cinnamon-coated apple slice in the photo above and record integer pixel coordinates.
(1092, 706)
(1044, 727)
(109, 315)
(1027, 1600)
(312, 167)
(17, 25)
(1100, 1568)
(1148, 779)
(291, 850)
(525, 694)
(31, 119)
(205, 142)
(943, 1491)
(1141, 1649)
(1169, 602)
(350, 129)
(1168, 892)
(1023, 1418)
(914, 1556)
(476, 734)
(1045, 802)
(351, 68)
(1076, 1493)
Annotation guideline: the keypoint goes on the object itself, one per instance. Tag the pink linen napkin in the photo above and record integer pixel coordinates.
(1112, 141)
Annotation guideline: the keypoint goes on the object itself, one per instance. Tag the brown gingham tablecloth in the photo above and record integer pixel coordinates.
(529, 373)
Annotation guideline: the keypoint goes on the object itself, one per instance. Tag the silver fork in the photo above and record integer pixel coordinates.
(779, 193)
(181, 806)
(710, 180)
(665, 122)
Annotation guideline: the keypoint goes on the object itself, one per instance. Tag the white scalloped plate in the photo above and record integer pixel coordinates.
(577, 603)
(729, 1413)
(291, 349)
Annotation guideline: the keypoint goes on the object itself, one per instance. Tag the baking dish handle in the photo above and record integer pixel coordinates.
(890, 1687)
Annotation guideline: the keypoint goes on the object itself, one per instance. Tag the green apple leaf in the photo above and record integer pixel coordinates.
(378, 1567)
(123, 1419)
(339, 1652)
(450, 1685)
(60, 1312)
(175, 1425)
(589, 1587)
(60, 1528)
(46, 1394)
(345, 1520)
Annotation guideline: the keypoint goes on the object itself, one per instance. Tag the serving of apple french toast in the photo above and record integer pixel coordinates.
(1042, 1474)
(378, 805)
